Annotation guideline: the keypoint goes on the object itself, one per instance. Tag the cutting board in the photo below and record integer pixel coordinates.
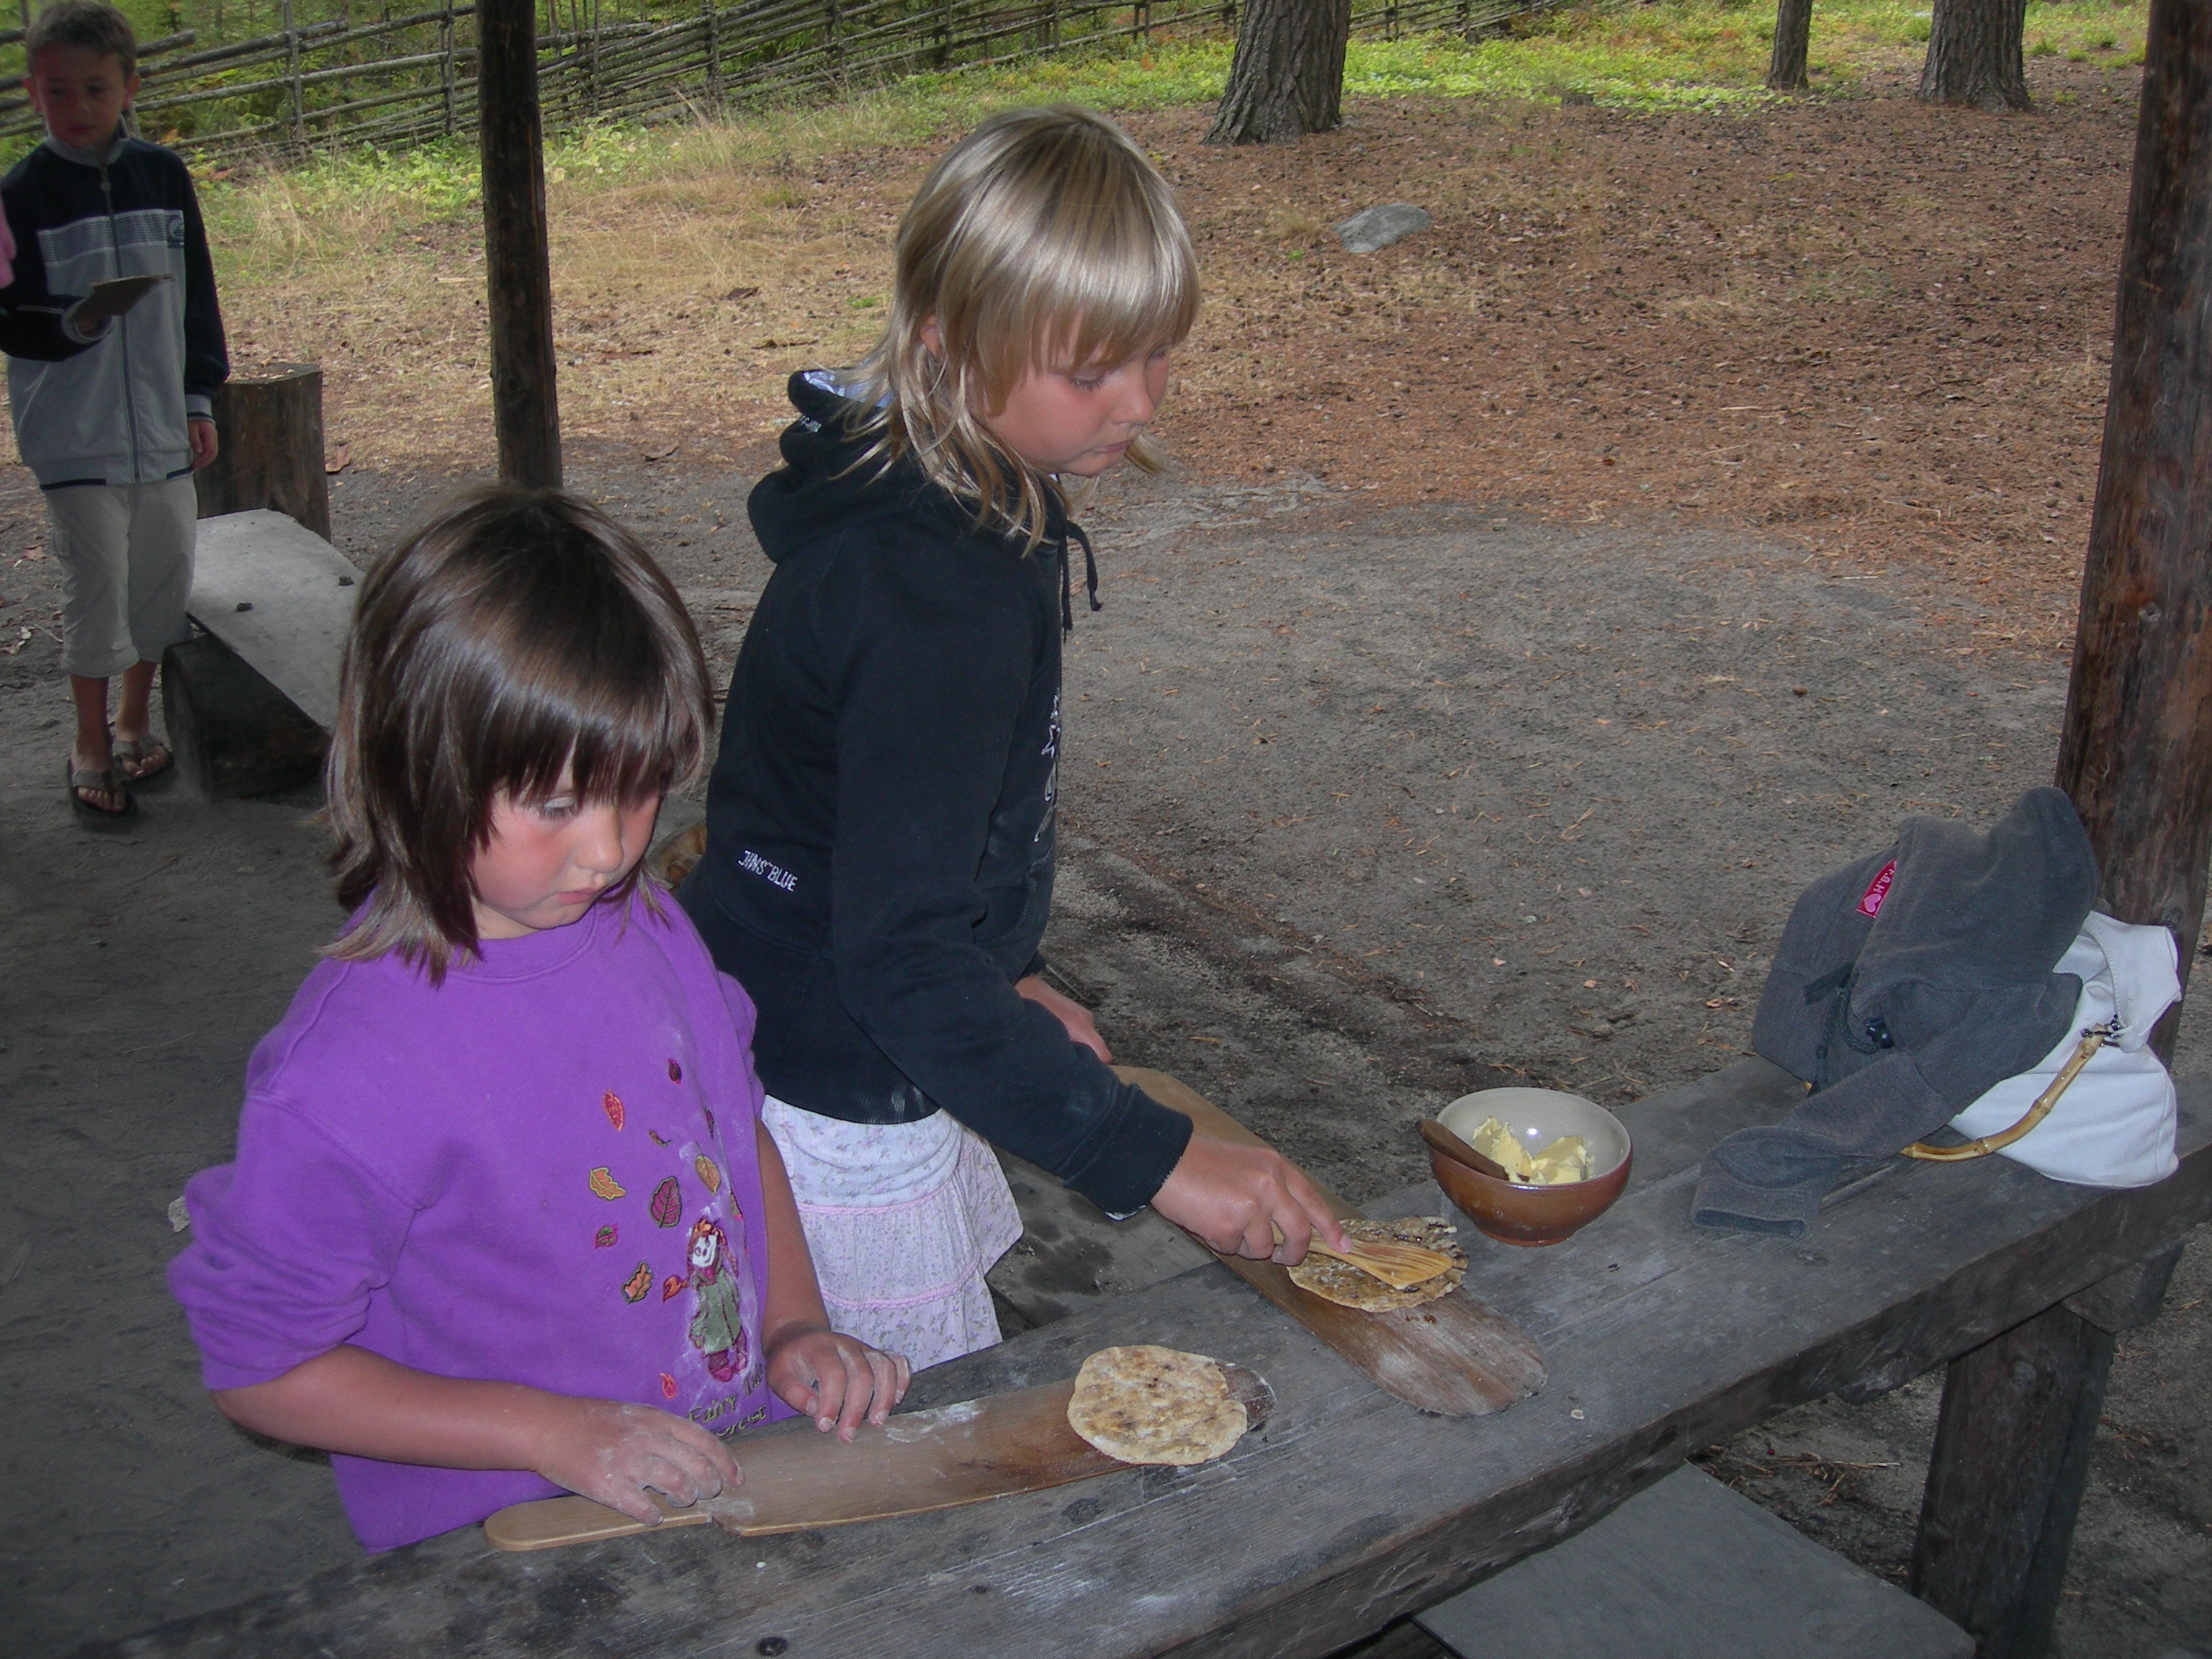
(798, 1478)
(1453, 1356)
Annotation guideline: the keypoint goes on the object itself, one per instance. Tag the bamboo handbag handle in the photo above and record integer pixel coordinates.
(2093, 1037)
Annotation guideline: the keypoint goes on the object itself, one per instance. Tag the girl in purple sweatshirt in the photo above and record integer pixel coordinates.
(504, 1220)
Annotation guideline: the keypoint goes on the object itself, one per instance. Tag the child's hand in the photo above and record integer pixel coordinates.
(835, 1379)
(1072, 1015)
(610, 1452)
(199, 433)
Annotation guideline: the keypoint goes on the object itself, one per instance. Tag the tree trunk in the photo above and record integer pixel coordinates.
(270, 452)
(1287, 77)
(1974, 56)
(1793, 35)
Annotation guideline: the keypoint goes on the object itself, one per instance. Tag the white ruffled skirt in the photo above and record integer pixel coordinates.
(903, 1220)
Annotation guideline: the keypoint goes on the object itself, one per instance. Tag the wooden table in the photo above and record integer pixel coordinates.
(1350, 1509)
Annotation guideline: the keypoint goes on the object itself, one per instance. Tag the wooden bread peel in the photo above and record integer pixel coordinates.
(798, 1479)
(1453, 1356)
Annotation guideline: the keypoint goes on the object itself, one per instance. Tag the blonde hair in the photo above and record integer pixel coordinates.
(1045, 238)
(517, 634)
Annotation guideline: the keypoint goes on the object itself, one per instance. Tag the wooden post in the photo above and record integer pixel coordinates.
(519, 286)
(592, 74)
(2019, 1412)
(711, 24)
(445, 65)
(292, 72)
(270, 453)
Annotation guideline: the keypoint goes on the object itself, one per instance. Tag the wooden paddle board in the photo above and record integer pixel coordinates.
(1453, 1356)
(798, 1479)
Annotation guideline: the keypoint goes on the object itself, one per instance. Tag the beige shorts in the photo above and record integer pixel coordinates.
(126, 556)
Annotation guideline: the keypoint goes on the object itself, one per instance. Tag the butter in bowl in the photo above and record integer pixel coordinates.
(1563, 1160)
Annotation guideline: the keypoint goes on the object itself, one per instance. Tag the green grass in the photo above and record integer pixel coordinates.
(1709, 54)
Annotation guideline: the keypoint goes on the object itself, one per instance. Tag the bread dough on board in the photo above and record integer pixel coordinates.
(1347, 1286)
(1146, 1404)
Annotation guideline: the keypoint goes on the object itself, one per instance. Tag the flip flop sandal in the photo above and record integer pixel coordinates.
(128, 752)
(109, 783)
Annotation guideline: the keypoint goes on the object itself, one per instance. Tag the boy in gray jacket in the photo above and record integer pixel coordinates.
(110, 393)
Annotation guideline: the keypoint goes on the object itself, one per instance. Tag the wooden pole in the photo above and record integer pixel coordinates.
(519, 286)
(2019, 1412)
(446, 66)
(292, 72)
(2136, 756)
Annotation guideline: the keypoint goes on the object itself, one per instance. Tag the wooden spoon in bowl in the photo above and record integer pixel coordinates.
(1458, 1151)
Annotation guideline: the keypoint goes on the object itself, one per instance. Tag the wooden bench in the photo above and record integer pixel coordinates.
(1350, 1509)
(249, 708)
(1688, 1570)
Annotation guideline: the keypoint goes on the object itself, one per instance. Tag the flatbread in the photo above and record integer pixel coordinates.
(1146, 1404)
(1347, 1286)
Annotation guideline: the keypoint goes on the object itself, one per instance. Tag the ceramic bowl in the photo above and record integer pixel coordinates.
(1515, 1215)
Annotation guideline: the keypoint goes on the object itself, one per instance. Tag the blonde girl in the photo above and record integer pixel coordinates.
(454, 1249)
(879, 862)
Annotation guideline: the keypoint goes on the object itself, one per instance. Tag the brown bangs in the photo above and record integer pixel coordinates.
(516, 637)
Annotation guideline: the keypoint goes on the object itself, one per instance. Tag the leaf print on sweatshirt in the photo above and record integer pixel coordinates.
(667, 1203)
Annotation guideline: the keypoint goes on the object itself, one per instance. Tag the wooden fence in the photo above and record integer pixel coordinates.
(401, 80)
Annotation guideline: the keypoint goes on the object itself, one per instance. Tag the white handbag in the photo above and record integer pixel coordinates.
(2109, 1120)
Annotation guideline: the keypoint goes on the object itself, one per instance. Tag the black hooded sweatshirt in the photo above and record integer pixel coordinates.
(879, 823)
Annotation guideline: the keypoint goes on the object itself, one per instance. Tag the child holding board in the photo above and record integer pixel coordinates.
(880, 821)
(502, 1219)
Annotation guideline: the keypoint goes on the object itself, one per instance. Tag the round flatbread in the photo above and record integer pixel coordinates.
(1342, 1283)
(1146, 1404)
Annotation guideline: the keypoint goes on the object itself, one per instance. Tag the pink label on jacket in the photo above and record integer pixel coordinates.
(1877, 889)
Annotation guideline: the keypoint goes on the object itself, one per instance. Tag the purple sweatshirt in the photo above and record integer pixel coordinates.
(541, 1172)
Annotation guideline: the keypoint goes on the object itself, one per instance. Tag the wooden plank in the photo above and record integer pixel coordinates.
(1456, 1355)
(282, 598)
(1353, 1510)
(1688, 1570)
(2129, 1299)
(798, 1479)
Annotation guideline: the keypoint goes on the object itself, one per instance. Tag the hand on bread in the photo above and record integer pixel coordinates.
(1239, 1199)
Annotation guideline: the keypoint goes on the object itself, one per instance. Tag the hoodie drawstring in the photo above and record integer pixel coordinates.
(1067, 580)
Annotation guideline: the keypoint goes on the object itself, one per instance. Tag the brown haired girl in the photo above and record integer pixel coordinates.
(452, 1249)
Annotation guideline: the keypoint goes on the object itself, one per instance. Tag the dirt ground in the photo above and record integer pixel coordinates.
(1870, 329)
(1451, 780)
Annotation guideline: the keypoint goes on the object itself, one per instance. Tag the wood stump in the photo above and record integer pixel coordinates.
(232, 731)
(270, 428)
